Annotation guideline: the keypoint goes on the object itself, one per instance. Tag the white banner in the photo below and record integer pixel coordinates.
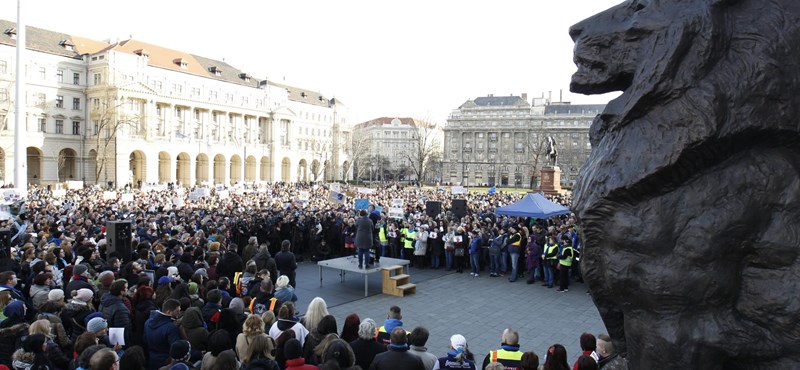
(74, 185)
(224, 194)
(366, 191)
(336, 187)
(109, 195)
(458, 190)
(397, 202)
(304, 196)
(396, 212)
(128, 197)
(59, 193)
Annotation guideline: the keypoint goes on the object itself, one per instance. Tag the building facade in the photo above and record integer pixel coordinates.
(133, 112)
(391, 148)
(500, 140)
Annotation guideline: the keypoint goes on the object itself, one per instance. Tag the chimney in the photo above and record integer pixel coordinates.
(525, 96)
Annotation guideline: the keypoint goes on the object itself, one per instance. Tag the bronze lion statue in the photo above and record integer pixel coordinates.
(690, 199)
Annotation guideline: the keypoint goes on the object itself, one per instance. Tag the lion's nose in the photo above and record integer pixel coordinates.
(575, 31)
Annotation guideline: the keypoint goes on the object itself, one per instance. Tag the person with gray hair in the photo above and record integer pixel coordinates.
(366, 347)
(509, 354)
(609, 360)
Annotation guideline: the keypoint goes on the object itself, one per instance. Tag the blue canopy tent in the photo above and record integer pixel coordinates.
(533, 205)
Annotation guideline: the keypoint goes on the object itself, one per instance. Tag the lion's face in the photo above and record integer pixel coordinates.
(610, 45)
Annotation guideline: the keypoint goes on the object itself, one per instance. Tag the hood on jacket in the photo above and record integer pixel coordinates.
(157, 320)
(389, 324)
(192, 318)
(14, 329)
(15, 309)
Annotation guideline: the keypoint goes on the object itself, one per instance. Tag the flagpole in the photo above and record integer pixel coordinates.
(20, 115)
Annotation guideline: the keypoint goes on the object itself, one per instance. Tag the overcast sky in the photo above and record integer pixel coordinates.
(410, 58)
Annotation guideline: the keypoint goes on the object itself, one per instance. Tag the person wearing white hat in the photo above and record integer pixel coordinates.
(458, 357)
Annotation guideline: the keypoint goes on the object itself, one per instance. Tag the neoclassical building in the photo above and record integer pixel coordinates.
(391, 144)
(133, 112)
(499, 140)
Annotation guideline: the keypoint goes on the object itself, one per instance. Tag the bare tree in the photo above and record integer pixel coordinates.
(535, 148)
(425, 143)
(109, 119)
(359, 153)
(321, 150)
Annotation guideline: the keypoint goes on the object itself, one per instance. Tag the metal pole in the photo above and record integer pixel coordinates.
(20, 154)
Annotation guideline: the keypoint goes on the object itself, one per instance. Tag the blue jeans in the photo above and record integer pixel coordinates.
(495, 263)
(448, 259)
(514, 263)
(549, 274)
(475, 258)
(363, 256)
(435, 261)
(503, 262)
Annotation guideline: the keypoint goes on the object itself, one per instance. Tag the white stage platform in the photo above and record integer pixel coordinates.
(350, 263)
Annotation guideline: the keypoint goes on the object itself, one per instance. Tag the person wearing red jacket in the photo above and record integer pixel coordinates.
(293, 352)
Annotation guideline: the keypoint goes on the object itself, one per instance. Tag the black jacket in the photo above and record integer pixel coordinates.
(395, 358)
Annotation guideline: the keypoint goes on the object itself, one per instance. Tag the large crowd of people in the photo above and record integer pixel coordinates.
(209, 278)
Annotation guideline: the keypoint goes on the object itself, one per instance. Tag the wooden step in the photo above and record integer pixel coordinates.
(396, 268)
(407, 288)
(400, 277)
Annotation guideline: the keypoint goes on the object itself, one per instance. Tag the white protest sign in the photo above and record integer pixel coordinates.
(178, 202)
(224, 194)
(336, 187)
(458, 190)
(109, 195)
(74, 185)
(127, 197)
(396, 212)
(59, 193)
(304, 195)
(366, 191)
(397, 202)
(179, 191)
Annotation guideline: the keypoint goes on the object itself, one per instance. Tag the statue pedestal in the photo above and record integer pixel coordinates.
(551, 180)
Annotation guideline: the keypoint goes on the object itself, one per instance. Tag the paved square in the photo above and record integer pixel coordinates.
(448, 303)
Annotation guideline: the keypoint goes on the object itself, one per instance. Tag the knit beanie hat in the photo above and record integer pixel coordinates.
(84, 294)
(237, 305)
(172, 271)
(165, 280)
(193, 288)
(292, 349)
(79, 269)
(55, 295)
(96, 324)
(180, 350)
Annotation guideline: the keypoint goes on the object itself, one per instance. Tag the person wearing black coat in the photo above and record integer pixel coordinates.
(144, 304)
(366, 347)
(230, 264)
(397, 356)
(286, 263)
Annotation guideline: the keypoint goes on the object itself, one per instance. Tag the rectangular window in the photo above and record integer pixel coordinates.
(59, 101)
(59, 126)
(76, 78)
(60, 75)
(76, 128)
(42, 73)
(213, 94)
(197, 114)
(42, 125)
(41, 99)
(76, 103)
(98, 79)
(195, 91)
